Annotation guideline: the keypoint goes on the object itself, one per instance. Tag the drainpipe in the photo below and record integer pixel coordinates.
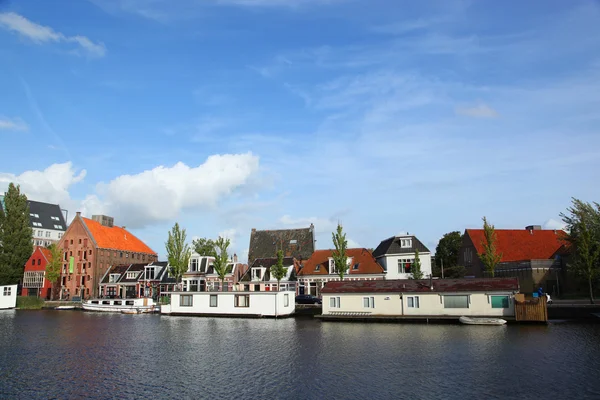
(402, 303)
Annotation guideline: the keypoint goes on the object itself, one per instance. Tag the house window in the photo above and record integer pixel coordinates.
(203, 263)
(331, 266)
(7, 290)
(149, 273)
(41, 233)
(58, 227)
(186, 300)
(131, 275)
(34, 215)
(112, 278)
(334, 302)
(55, 218)
(121, 255)
(456, 301)
(33, 261)
(71, 241)
(412, 301)
(286, 300)
(79, 241)
(38, 224)
(194, 265)
(355, 267)
(47, 234)
(405, 243)
(39, 261)
(60, 235)
(242, 300)
(369, 302)
(317, 268)
(404, 265)
(499, 301)
(256, 273)
(213, 300)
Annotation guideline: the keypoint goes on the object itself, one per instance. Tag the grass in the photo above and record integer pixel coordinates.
(29, 303)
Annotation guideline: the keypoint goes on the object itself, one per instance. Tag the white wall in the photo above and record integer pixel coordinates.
(261, 303)
(9, 301)
(391, 261)
(430, 304)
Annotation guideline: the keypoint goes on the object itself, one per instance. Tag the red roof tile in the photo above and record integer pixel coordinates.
(521, 244)
(366, 263)
(115, 238)
(423, 286)
(46, 252)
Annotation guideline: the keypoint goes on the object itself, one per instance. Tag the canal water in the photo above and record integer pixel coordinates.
(77, 355)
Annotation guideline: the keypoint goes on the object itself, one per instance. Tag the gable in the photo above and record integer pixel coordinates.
(393, 246)
(318, 263)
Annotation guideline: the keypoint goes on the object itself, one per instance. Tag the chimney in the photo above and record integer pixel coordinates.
(312, 226)
(79, 213)
(124, 227)
(235, 258)
(534, 228)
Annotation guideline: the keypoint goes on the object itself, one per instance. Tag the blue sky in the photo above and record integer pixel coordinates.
(226, 115)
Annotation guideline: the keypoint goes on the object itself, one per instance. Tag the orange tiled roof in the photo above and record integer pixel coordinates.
(46, 252)
(521, 244)
(366, 262)
(115, 238)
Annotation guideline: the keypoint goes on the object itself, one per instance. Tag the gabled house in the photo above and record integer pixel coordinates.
(397, 254)
(533, 254)
(47, 221)
(133, 280)
(34, 277)
(201, 275)
(258, 276)
(296, 243)
(320, 269)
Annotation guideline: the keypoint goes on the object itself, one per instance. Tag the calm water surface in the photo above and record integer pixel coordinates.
(73, 355)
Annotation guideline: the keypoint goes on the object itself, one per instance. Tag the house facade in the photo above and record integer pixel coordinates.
(258, 277)
(397, 255)
(34, 276)
(133, 281)
(320, 269)
(296, 243)
(91, 247)
(451, 298)
(201, 275)
(47, 222)
(533, 255)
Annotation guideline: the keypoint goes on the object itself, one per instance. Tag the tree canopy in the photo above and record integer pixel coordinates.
(221, 258)
(446, 254)
(416, 272)
(278, 271)
(178, 252)
(490, 256)
(204, 247)
(340, 258)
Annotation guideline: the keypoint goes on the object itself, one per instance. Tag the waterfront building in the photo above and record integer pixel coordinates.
(258, 277)
(397, 254)
(134, 280)
(296, 243)
(90, 247)
(320, 269)
(201, 275)
(34, 275)
(404, 298)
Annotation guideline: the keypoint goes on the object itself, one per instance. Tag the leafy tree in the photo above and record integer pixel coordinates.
(458, 271)
(178, 252)
(583, 225)
(417, 273)
(54, 265)
(446, 254)
(278, 271)
(15, 236)
(204, 246)
(340, 258)
(490, 256)
(221, 258)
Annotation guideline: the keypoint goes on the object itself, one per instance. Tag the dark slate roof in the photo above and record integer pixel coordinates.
(392, 246)
(165, 278)
(423, 285)
(264, 244)
(44, 213)
(133, 268)
(160, 263)
(267, 263)
(115, 269)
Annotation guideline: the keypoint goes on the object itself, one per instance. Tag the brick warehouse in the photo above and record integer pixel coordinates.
(91, 246)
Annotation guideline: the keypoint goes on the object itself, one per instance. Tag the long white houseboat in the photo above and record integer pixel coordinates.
(139, 305)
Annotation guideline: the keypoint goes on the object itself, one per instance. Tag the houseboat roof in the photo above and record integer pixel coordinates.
(320, 258)
(392, 245)
(423, 285)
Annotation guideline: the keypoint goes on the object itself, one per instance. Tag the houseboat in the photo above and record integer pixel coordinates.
(8, 297)
(139, 305)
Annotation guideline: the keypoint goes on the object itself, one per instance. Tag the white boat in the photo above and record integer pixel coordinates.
(64, 308)
(140, 305)
(132, 311)
(482, 321)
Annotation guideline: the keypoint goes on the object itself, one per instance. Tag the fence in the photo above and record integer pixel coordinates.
(534, 310)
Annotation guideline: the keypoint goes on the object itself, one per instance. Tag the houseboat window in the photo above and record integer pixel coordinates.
(118, 303)
(7, 291)
(456, 301)
(94, 301)
(129, 303)
(369, 302)
(499, 301)
(412, 302)
(185, 300)
(286, 300)
(105, 302)
(213, 300)
(404, 265)
(334, 302)
(242, 300)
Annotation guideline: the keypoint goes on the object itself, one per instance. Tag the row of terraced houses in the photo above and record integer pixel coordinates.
(101, 259)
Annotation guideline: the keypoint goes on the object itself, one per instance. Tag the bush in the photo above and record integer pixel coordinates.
(29, 303)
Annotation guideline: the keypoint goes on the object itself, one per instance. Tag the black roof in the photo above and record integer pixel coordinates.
(298, 243)
(139, 268)
(392, 246)
(166, 279)
(159, 263)
(115, 269)
(48, 215)
(267, 263)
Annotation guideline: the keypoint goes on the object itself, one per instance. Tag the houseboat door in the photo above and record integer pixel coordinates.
(145, 301)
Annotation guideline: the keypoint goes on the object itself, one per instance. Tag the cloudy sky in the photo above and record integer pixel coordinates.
(386, 115)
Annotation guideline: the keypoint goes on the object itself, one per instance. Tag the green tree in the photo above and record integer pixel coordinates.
(490, 256)
(583, 225)
(446, 254)
(221, 258)
(54, 266)
(178, 252)
(15, 236)
(340, 258)
(278, 271)
(204, 246)
(416, 272)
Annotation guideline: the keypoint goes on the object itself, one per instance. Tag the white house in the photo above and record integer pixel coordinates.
(258, 277)
(397, 255)
(8, 296)
(201, 275)
(421, 298)
(231, 304)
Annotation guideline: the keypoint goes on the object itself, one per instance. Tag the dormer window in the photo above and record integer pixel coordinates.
(406, 243)
(112, 278)
(131, 275)
(257, 274)
(193, 265)
(203, 264)
(317, 268)
(355, 267)
(149, 273)
(331, 266)
(34, 215)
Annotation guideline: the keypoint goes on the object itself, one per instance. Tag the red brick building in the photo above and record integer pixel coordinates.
(34, 281)
(91, 246)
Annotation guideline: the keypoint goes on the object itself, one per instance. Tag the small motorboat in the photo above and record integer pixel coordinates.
(64, 308)
(482, 321)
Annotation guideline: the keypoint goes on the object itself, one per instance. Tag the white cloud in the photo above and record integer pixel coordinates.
(554, 224)
(479, 111)
(12, 124)
(40, 34)
(230, 234)
(321, 225)
(352, 244)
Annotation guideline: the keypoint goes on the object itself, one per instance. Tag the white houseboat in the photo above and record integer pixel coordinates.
(8, 297)
(232, 304)
(139, 305)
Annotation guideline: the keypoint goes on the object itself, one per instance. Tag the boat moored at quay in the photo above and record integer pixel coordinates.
(137, 305)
